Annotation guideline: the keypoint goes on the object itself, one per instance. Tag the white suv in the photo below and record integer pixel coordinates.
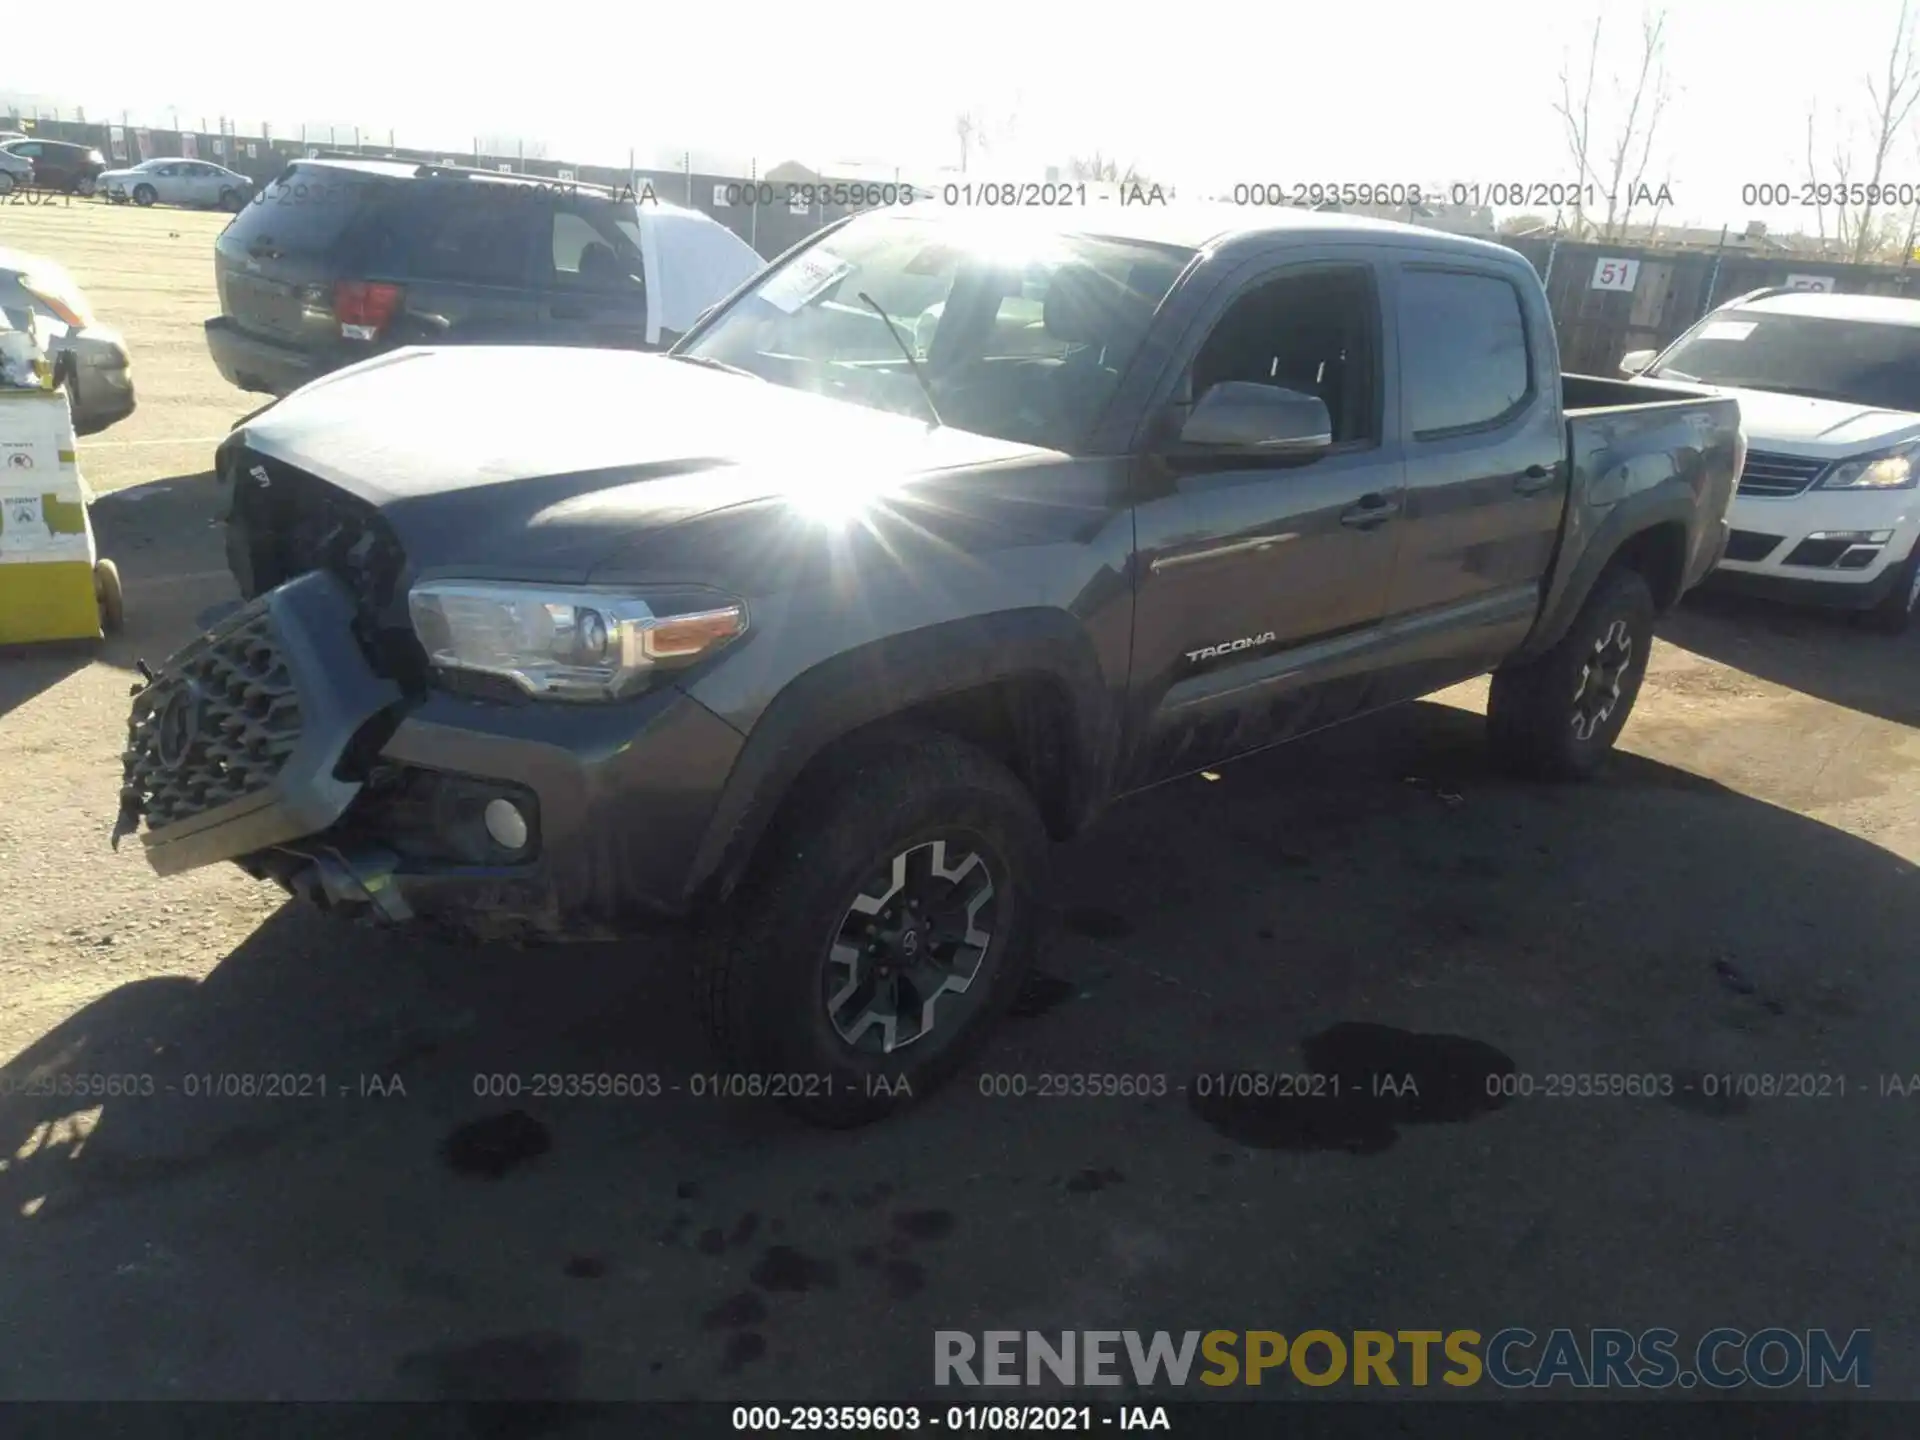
(1829, 387)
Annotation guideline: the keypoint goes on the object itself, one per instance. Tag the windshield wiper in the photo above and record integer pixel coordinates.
(906, 350)
(713, 364)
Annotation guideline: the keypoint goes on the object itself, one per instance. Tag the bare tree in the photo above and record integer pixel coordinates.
(1100, 166)
(1579, 130)
(967, 128)
(1863, 230)
(1616, 170)
(1650, 95)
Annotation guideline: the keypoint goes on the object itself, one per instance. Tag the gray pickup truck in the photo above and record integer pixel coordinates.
(932, 540)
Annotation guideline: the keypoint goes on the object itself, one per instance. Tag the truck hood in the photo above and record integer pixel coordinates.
(543, 461)
(1828, 429)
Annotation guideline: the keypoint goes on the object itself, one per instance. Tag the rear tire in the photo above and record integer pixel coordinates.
(1895, 613)
(6, 182)
(1556, 717)
(145, 195)
(801, 968)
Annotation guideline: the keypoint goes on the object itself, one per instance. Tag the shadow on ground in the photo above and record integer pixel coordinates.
(351, 1166)
(1817, 652)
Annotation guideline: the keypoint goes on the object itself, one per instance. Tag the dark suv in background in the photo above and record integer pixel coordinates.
(60, 164)
(340, 259)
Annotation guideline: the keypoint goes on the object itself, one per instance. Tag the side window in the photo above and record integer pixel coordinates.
(1463, 349)
(1317, 333)
(436, 232)
(169, 170)
(595, 256)
(28, 148)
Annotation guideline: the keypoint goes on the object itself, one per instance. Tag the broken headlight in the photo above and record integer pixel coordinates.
(562, 642)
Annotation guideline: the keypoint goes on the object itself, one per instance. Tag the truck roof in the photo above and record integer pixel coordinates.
(1868, 309)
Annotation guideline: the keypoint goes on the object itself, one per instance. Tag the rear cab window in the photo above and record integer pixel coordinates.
(304, 211)
(1465, 361)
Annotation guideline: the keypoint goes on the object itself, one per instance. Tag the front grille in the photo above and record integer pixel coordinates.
(286, 522)
(1775, 477)
(1751, 546)
(215, 726)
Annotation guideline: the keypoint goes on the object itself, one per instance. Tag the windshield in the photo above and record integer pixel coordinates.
(1023, 341)
(1856, 361)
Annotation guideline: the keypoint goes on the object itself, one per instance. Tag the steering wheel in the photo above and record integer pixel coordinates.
(985, 391)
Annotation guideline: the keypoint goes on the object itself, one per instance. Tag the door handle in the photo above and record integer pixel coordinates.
(574, 311)
(1369, 511)
(1535, 478)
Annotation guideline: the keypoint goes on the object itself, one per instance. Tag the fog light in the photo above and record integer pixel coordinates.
(506, 824)
(1854, 537)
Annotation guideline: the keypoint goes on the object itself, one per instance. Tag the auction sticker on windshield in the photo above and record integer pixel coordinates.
(1728, 330)
(803, 278)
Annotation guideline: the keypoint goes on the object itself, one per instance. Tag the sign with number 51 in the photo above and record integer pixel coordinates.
(1615, 274)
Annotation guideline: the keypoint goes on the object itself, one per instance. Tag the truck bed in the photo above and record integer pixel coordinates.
(1664, 458)
(1599, 392)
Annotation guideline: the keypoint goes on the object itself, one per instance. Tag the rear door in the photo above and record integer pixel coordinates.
(1486, 465)
(203, 182)
(593, 289)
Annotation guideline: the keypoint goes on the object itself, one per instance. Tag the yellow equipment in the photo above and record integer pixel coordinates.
(52, 584)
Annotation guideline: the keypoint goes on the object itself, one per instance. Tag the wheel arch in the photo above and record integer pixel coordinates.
(1652, 533)
(1025, 686)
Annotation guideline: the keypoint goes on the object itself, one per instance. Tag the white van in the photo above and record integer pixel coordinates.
(1829, 387)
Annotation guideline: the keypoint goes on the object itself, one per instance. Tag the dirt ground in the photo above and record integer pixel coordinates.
(1737, 896)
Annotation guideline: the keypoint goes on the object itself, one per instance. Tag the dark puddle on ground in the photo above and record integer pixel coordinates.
(784, 1268)
(495, 1145)
(1703, 1094)
(1038, 994)
(1356, 1085)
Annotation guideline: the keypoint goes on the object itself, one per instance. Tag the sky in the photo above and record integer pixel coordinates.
(1204, 96)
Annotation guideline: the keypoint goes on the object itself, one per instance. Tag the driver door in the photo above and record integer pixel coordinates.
(1261, 582)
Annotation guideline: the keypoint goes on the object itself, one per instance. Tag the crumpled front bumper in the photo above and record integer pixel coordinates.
(377, 807)
(235, 745)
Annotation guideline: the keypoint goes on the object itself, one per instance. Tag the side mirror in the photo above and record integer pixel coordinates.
(1635, 361)
(1240, 415)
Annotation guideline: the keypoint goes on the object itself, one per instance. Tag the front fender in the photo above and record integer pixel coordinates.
(888, 677)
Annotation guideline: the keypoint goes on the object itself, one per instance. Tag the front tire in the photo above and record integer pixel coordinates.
(145, 195)
(84, 187)
(1895, 613)
(890, 922)
(231, 202)
(1556, 717)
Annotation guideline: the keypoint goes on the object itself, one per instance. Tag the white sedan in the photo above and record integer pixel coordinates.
(177, 182)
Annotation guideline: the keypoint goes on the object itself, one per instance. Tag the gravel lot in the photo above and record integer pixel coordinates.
(1737, 895)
